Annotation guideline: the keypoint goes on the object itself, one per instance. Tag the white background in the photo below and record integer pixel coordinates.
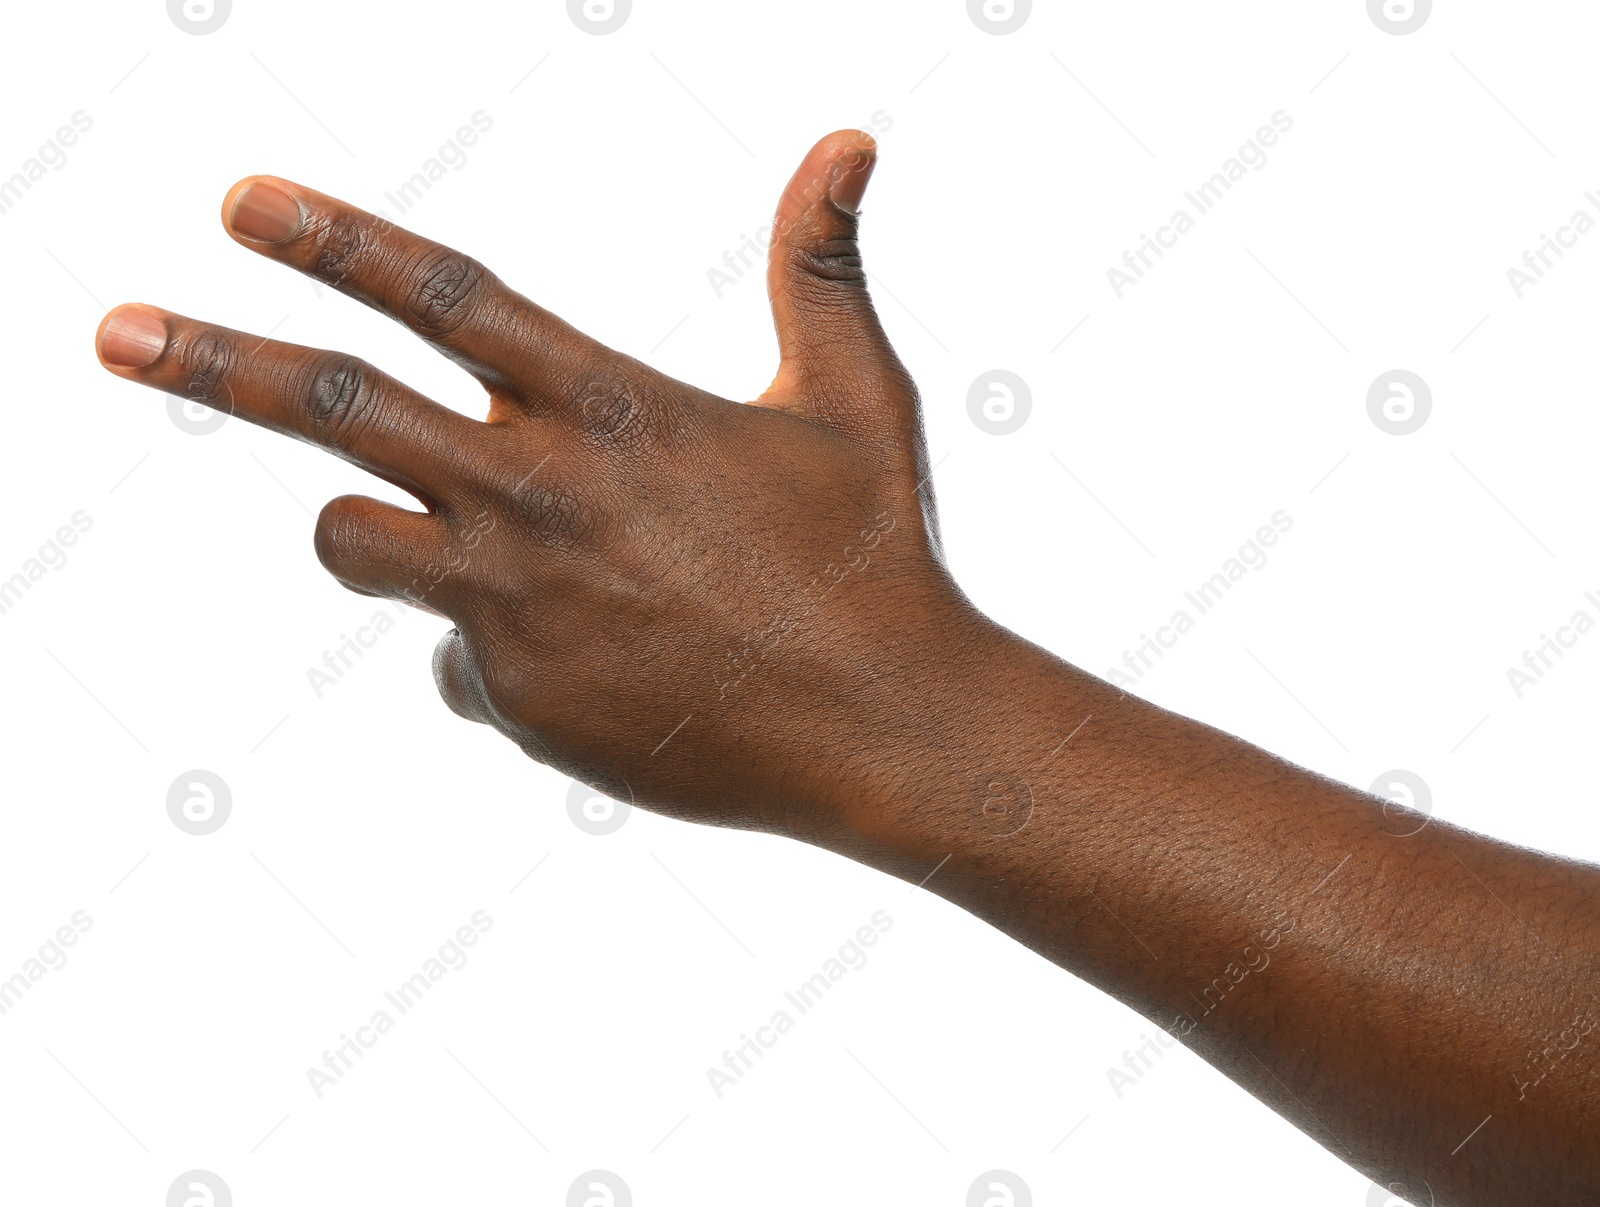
(369, 823)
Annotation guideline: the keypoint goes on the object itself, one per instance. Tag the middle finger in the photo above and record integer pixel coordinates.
(326, 398)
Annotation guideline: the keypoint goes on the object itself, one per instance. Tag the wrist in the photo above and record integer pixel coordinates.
(964, 740)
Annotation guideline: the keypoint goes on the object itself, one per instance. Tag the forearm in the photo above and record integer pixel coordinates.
(1386, 984)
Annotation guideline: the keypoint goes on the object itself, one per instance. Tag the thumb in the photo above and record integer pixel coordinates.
(836, 362)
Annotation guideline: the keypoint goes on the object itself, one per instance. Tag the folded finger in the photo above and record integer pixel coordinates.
(379, 549)
(456, 674)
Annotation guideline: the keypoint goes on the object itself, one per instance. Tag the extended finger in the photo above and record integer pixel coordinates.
(327, 398)
(514, 347)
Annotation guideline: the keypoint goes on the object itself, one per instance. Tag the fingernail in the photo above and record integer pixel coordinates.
(132, 339)
(265, 213)
(851, 171)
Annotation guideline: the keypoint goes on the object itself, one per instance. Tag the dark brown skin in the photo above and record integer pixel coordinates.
(741, 615)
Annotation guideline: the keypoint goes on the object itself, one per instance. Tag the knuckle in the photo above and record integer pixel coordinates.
(616, 412)
(837, 261)
(210, 359)
(448, 289)
(556, 515)
(337, 245)
(340, 401)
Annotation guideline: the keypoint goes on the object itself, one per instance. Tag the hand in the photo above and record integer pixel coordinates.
(739, 614)
(683, 601)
